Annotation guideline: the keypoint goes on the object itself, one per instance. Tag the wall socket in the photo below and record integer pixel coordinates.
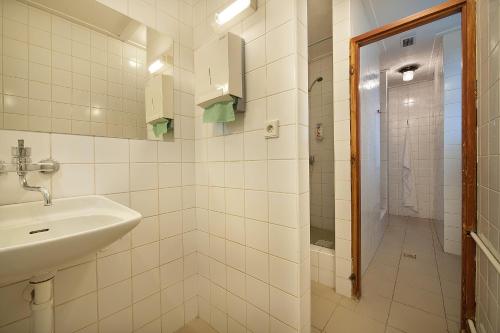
(272, 129)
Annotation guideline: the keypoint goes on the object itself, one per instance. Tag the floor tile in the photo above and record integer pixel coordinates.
(420, 281)
(197, 326)
(321, 311)
(452, 308)
(375, 307)
(400, 294)
(453, 327)
(326, 292)
(412, 320)
(419, 298)
(345, 320)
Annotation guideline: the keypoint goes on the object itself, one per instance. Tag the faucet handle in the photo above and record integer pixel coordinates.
(20, 150)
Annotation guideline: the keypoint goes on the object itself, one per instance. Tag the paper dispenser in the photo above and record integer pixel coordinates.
(159, 96)
(219, 68)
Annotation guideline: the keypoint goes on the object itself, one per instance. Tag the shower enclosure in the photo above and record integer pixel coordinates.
(321, 159)
(321, 152)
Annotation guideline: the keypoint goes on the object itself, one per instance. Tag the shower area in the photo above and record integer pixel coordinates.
(321, 159)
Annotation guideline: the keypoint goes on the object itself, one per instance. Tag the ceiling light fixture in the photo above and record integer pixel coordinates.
(156, 66)
(237, 7)
(408, 72)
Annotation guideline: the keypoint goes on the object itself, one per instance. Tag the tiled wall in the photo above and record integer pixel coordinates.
(487, 279)
(252, 193)
(174, 18)
(384, 142)
(438, 187)
(349, 19)
(321, 172)
(452, 102)
(323, 265)
(148, 279)
(416, 103)
(341, 14)
(65, 78)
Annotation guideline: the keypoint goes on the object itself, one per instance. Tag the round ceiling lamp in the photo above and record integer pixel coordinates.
(408, 72)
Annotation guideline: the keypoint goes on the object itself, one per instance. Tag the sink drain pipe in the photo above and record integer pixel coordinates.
(40, 296)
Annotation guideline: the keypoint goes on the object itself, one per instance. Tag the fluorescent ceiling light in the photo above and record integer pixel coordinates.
(232, 10)
(408, 75)
(156, 66)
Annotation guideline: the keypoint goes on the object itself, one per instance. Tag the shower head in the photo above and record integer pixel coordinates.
(318, 79)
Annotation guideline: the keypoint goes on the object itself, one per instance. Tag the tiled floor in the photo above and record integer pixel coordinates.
(197, 326)
(400, 294)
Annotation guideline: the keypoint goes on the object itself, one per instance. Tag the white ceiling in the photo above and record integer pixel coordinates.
(387, 11)
(426, 37)
(383, 12)
(427, 46)
(319, 20)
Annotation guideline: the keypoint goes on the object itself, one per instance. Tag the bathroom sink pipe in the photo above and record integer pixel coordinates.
(39, 293)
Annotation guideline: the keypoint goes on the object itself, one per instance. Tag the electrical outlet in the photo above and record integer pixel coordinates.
(272, 129)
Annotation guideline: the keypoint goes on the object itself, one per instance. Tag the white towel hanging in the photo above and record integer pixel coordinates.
(409, 186)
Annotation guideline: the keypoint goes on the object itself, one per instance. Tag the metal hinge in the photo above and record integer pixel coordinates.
(351, 70)
(352, 277)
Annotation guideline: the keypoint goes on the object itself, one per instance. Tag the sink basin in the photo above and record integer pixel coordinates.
(36, 239)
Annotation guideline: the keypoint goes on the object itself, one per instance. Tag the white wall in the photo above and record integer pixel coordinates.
(139, 283)
(252, 193)
(438, 165)
(416, 103)
(341, 32)
(487, 297)
(349, 19)
(452, 101)
(384, 143)
(321, 172)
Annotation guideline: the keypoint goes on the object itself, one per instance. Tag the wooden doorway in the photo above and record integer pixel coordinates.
(466, 8)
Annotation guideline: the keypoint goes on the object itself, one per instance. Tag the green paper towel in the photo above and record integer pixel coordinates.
(221, 112)
(161, 127)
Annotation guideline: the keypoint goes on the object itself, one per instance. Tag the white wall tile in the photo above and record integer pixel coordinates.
(114, 298)
(111, 178)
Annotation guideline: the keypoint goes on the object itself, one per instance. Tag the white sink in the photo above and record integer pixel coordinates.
(36, 239)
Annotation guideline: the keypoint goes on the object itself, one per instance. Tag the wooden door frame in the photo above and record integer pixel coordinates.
(468, 14)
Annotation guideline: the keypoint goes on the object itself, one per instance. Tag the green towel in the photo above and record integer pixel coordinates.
(162, 127)
(221, 112)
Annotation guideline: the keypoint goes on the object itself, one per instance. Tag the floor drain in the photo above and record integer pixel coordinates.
(409, 255)
(39, 230)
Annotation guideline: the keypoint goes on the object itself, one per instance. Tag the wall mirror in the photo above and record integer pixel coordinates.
(79, 67)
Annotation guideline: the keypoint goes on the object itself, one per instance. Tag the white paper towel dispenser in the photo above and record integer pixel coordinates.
(219, 71)
(159, 98)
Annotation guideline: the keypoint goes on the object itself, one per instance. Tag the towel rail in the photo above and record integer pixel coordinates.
(486, 251)
(472, 326)
(494, 261)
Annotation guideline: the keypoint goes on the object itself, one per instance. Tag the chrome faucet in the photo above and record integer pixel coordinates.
(21, 164)
(47, 198)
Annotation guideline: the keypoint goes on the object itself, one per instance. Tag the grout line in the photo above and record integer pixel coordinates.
(397, 272)
(434, 238)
